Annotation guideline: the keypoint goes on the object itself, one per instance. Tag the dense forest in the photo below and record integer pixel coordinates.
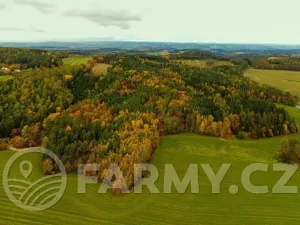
(119, 117)
(28, 58)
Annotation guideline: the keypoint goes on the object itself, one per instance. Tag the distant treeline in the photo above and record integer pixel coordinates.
(275, 63)
(197, 55)
(29, 58)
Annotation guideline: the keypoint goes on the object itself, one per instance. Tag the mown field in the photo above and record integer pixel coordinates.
(204, 63)
(76, 60)
(284, 80)
(203, 208)
(100, 69)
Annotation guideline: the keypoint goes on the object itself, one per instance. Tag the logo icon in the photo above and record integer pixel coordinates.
(33, 194)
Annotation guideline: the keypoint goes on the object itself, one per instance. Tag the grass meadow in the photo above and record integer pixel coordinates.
(76, 60)
(203, 208)
(284, 80)
(6, 77)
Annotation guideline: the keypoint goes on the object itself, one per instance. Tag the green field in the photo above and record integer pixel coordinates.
(203, 208)
(76, 60)
(293, 111)
(6, 77)
(284, 80)
(204, 63)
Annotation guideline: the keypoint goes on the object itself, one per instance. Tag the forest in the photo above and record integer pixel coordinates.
(29, 58)
(119, 117)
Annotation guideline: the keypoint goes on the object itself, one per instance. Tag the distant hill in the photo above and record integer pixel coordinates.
(90, 46)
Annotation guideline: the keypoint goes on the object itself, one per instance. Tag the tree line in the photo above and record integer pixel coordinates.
(275, 63)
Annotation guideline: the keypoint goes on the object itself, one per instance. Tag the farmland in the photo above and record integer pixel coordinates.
(203, 208)
(76, 60)
(146, 111)
(139, 113)
(284, 80)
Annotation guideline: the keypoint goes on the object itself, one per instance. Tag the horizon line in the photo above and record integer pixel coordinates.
(149, 41)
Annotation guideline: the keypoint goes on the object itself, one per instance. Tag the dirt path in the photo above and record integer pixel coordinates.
(11, 148)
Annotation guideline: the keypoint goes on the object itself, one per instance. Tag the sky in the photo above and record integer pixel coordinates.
(214, 21)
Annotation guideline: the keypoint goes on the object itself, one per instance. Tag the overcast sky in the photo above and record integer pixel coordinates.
(230, 21)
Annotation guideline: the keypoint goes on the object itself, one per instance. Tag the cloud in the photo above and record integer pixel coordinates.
(15, 29)
(102, 17)
(10, 29)
(2, 6)
(39, 5)
(37, 30)
(120, 19)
